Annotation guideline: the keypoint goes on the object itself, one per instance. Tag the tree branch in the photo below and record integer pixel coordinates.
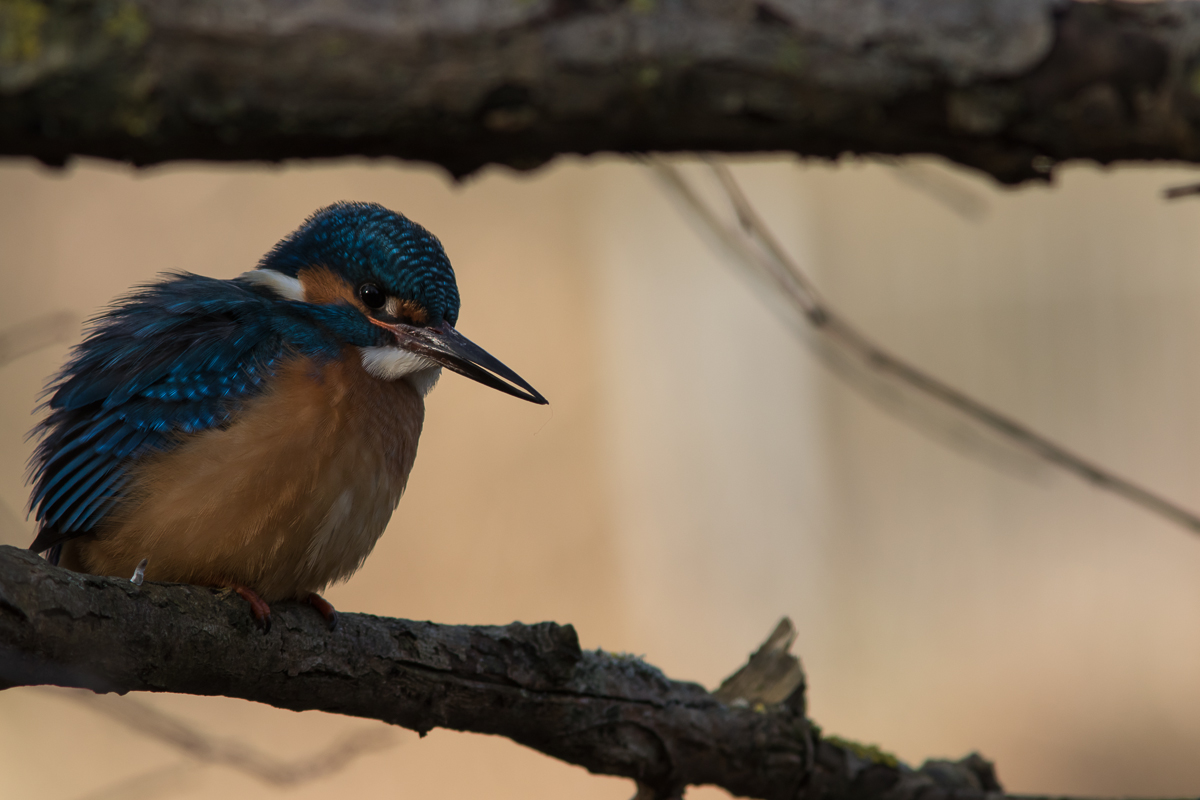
(1009, 88)
(610, 713)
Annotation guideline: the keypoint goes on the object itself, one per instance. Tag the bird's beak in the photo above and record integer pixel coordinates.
(454, 351)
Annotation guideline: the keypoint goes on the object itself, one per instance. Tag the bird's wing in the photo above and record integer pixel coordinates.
(174, 358)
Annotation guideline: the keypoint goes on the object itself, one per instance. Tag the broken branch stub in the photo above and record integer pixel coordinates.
(772, 675)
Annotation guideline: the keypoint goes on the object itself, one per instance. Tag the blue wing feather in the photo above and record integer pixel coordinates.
(172, 359)
(85, 515)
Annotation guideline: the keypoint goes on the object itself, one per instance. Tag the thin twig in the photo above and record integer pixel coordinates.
(148, 785)
(12, 529)
(143, 718)
(39, 332)
(785, 296)
(1176, 192)
(758, 251)
(952, 194)
(21, 340)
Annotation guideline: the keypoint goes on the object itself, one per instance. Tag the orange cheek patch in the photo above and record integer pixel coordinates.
(322, 286)
(412, 312)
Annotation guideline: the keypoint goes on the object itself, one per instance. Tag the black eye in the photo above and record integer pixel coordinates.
(371, 295)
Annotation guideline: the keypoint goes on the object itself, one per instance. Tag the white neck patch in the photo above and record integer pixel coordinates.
(277, 282)
(389, 363)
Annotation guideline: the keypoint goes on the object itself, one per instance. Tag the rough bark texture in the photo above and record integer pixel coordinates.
(610, 713)
(1008, 87)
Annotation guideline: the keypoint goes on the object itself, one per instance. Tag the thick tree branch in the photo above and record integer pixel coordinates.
(610, 713)
(1010, 87)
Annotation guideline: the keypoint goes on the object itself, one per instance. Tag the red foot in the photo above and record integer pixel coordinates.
(327, 611)
(258, 606)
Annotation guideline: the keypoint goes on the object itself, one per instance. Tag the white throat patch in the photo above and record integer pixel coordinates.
(280, 284)
(389, 363)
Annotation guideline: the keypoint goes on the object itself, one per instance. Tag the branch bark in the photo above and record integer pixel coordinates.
(610, 713)
(1010, 88)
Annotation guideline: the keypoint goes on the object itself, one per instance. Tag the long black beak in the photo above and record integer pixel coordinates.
(454, 351)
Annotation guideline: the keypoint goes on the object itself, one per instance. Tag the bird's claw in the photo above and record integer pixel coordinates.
(258, 606)
(325, 608)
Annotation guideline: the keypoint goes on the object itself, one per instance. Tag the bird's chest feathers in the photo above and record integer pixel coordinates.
(292, 495)
(361, 460)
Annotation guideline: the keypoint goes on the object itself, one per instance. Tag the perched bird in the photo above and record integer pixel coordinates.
(255, 433)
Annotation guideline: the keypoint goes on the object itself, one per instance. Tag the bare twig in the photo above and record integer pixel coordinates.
(11, 526)
(786, 297)
(1186, 190)
(236, 754)
(756, 249)
(952, 194)
(39, 332)
(151, 784)
(21, 340)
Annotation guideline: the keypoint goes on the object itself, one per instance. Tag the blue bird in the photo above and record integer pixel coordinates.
(255, 433)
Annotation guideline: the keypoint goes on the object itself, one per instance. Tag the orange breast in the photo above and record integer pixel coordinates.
(290, 497)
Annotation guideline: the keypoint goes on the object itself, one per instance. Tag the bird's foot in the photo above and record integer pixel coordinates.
(258, 606)
(327, 610)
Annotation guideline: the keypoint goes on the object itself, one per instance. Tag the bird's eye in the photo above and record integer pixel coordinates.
(372, 296)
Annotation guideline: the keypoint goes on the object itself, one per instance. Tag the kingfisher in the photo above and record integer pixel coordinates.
(255, 434)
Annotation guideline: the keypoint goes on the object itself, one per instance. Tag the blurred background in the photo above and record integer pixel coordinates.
(699, 474)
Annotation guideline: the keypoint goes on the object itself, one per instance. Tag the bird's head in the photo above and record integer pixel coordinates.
(396, 276)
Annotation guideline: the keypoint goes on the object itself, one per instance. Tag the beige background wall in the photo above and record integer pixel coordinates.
(698, 474)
